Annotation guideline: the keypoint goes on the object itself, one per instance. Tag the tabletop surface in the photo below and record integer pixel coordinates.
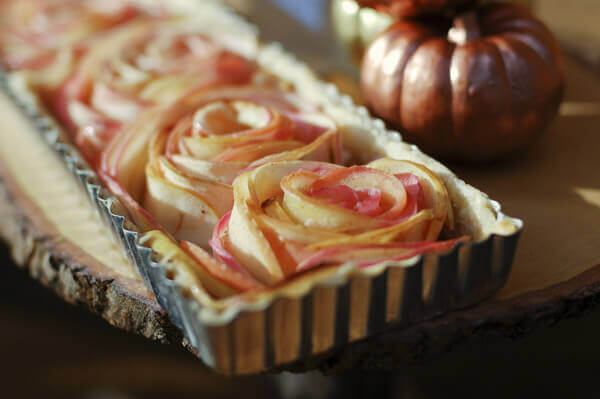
(554, 188)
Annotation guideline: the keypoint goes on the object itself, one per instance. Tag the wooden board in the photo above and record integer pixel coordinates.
(53, 232)
(555, 188)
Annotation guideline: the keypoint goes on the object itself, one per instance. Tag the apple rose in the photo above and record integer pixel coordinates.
(148, 62)
(178, 163)
(292, 216)
(33, 31)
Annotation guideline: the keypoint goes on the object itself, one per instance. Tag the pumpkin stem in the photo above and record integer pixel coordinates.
(465, 27)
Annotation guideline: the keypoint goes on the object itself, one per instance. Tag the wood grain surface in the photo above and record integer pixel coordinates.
(54, 233)
(555, 189)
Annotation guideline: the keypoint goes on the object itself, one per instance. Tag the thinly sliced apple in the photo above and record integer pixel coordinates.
(182, 212)
(126, 156)
(190, 269)
(223, 172)
(218, 196)
(248, 244)
(34, 31)
(233, 279)
(297, 233)
(436, 196)
(369, 255)
(245, 239)
(141, 65)
(313, 212)
(393, 193)
(271, 230)
(117, 106)
(386, 235)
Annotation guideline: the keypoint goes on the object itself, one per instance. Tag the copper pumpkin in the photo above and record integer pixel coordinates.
(475, 89)
(409, 8)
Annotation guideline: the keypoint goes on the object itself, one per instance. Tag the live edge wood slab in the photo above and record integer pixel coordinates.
(52, 232)
(555, 188)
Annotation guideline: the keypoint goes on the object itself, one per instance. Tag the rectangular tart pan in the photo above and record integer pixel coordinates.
(300, 322)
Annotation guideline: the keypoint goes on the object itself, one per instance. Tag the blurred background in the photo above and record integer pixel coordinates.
(576, 23)
(52, 349)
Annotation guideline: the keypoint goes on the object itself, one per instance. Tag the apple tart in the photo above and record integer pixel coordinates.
(35, 32)
(174, 168)
(289, 217)
(273, 219)
(146, 62)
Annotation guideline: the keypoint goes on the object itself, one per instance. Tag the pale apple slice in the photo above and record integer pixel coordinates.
(115, 105)
(246, 241)
(386, 235)
(223, 172)
(187, 268)
(182, 212)
(370, 255)
(314, 212)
